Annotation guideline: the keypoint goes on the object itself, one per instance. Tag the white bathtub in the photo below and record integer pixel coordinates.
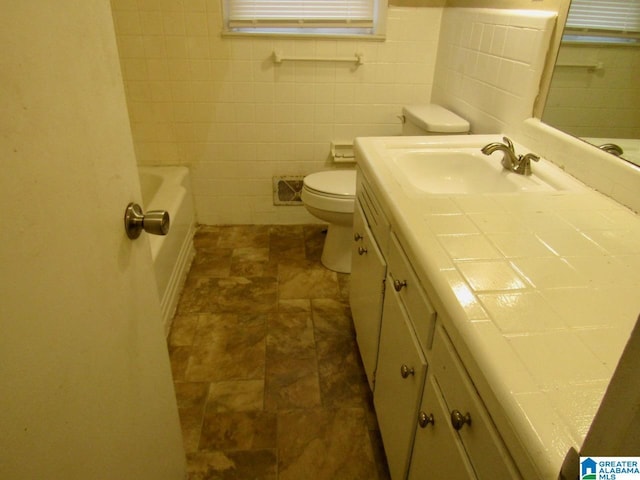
(169, 188)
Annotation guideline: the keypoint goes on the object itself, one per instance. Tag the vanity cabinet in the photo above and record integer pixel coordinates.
(401, 371)
(437, 450)
(455, 436)
(402, 359)
(368, 272)
(433, 423)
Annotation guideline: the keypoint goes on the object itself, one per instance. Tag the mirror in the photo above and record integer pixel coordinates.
(595, 92)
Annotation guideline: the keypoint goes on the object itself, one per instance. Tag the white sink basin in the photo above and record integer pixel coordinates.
(438, 167)
(463, 171)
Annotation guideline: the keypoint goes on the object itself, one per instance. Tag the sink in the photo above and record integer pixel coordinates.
(462, 171)
(442, 168)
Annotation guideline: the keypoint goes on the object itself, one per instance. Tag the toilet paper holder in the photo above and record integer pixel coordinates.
(342, 152)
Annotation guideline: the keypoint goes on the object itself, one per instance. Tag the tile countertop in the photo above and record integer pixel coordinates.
(542, 288)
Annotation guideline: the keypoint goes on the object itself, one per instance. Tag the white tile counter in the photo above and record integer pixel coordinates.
(542, 289)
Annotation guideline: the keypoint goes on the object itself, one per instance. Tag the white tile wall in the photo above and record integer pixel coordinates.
(490, 63)
(222, 107)
(615, 178)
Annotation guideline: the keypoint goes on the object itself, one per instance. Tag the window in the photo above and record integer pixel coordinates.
(305, 17)
(616, 20)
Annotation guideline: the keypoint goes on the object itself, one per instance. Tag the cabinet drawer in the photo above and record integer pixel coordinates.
(405, 282)
(486, 450)
(374, 215)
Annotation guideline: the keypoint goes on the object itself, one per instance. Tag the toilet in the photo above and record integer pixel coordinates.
(330, 195)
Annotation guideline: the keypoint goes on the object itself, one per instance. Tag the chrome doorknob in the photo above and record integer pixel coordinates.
(155, 222)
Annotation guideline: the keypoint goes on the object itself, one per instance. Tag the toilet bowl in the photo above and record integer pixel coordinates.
(330, 196)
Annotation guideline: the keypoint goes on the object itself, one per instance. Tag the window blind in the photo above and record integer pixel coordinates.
(342, 14)
(611, 16)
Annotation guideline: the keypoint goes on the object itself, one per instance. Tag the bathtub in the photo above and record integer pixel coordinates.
(169, 188)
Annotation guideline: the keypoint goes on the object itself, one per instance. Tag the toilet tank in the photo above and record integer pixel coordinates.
(432, 119)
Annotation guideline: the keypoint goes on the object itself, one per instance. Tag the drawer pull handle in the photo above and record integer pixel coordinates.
(399, 285)
(357, 236)
(458, 420)
(405, 371)
(362, 250)
(424, 420)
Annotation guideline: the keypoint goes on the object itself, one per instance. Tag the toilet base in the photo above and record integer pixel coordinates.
(336, 253)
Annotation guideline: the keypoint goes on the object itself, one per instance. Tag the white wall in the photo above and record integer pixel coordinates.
(490, 63)
(220, 105)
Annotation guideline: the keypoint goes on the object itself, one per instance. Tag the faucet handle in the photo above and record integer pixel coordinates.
(508, 143)
(524, 163)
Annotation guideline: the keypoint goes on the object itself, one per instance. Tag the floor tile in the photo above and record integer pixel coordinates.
(331, 443)
(236, 396)
(307, 280)
(238, 430)
(233, 465)
(268, 378)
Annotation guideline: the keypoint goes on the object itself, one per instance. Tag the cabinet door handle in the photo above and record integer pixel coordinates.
(399, 285)
(424, 420)
(362, 250)
(405, 371)
(458, 420)
(357, 236)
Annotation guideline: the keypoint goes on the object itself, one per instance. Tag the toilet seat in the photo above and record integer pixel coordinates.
(334, 183)
(332, 191)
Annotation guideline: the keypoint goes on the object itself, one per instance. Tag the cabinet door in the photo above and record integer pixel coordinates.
(399, 382)
(437, 450)
(368, 270)
(481, 440)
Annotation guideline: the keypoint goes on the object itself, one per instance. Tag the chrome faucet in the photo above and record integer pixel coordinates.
(520, 164)
(612, 148)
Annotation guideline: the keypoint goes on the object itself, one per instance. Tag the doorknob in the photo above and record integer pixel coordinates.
(155, 221)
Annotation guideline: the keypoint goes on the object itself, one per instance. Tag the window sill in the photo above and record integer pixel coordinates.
(296, 35)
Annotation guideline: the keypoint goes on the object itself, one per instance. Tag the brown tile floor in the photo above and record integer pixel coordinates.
(266, 368)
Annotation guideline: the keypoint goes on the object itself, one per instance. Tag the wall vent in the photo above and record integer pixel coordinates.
(287, 190)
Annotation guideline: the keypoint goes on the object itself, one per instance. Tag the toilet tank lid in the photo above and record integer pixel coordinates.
(435, 119)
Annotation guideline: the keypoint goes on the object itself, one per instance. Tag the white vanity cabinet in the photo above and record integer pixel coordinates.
(456, 437)
(437, 450)
(401, 371)
(402, 359)
(368, 272)
(417, 378)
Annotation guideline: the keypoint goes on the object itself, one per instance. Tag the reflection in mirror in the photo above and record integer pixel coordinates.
(595, 88)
